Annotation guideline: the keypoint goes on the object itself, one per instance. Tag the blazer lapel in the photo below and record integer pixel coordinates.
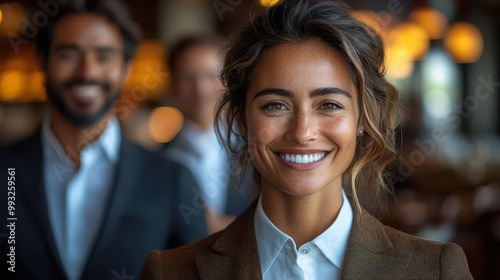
(369, 253)
(33, 192)
(236, 254)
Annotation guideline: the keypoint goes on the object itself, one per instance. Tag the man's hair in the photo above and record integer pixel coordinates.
(188, 42)
(361, 47)
(113, 10)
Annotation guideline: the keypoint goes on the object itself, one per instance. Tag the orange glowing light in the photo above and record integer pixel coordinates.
(411, 37)
(268, 3)
(36, 87)
(433, 21)
(148, 72)
(464, 42)
(399, 62)
(11, 85)
(164, 123)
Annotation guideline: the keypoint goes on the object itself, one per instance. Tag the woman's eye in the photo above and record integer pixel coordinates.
(330, 106)
(274, 106)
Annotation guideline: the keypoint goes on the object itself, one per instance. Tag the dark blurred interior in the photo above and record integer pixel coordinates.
(441, 55)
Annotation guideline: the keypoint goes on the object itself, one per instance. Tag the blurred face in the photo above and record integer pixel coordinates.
(301, 118)
(196, 83)
(85, 70)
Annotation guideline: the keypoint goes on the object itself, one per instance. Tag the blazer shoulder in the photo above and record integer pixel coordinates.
(448, 259)
(26, 145)
(411, 242)
(18, 154)
(177, 263)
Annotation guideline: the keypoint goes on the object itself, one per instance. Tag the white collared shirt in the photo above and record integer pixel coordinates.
(76, 198)
(320, 258)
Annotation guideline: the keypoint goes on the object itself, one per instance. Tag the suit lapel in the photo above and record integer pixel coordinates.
(370, 253)
(33, 193)
(236, 254)
(126, 174)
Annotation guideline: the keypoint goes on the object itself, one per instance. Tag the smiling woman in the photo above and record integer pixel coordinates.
(315, 117)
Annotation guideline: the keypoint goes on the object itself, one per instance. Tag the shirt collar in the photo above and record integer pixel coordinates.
(270, 239)
(332, 242)
(199, 140)
(108, 141)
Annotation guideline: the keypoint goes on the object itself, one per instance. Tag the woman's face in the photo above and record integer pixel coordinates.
(301, 118)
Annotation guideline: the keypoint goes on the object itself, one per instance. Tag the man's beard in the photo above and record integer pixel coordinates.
(55, 95)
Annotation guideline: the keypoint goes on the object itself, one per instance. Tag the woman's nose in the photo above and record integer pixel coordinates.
(302, 128)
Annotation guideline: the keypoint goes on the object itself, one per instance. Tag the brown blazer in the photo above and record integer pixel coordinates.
(374, 251)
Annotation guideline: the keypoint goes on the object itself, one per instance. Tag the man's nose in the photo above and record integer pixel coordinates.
(205, 85)
(87, 68)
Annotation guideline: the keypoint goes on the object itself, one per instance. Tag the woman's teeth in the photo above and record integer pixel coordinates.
(303, 158)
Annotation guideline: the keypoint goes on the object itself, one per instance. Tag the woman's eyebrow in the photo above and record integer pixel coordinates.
(329, 90)
(273, 91)
(314, 93)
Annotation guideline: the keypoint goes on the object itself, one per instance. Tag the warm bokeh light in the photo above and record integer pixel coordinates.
(11, 85)
(149, 74)
(164, 123)
(370, 18)
(268, 3)
(411, 37)
(36, 87)
(399, 62)
(464, 42)
(1, 15)
(433, 21)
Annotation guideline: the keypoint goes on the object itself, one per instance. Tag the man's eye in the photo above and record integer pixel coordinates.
(67, 55)
(104, 58)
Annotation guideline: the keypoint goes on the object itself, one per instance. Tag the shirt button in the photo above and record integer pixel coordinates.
(305, 250)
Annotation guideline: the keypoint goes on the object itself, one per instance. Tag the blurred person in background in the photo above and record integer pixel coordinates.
(306, 86)
(89, 203)
(195, 85)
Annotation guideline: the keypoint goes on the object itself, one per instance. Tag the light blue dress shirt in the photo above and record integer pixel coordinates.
(76, 198)
(201, 153)
(320, 258)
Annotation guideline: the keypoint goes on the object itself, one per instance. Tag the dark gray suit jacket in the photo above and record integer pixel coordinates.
(374, 251)
(142, 214)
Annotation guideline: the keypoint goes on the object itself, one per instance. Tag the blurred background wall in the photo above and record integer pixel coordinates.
(441, 55)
